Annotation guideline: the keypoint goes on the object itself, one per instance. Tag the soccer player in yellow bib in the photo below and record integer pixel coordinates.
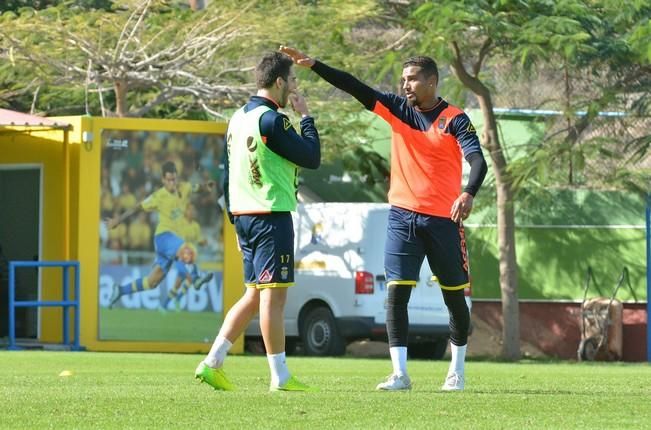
(170, 202)
(263, 154)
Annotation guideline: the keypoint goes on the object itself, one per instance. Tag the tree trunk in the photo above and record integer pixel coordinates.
(121, 87)
(508, 270)
(505, 233)
(505, 214)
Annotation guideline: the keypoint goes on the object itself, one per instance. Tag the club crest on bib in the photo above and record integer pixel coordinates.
(441, 124)
(251, 144)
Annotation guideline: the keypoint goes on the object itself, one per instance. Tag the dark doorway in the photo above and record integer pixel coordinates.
(19, 241)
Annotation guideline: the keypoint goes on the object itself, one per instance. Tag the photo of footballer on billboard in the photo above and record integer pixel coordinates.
(161, 236)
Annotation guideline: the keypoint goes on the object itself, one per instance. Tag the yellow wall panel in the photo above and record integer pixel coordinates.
(72, 173)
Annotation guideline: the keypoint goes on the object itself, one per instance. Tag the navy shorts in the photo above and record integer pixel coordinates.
(267, 244)
(412, 236)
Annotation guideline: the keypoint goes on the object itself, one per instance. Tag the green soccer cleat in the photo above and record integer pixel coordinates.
(293, 384)
(216, 378)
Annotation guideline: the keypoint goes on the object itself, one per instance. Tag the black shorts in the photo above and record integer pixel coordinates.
(412, 236)
(267, 244)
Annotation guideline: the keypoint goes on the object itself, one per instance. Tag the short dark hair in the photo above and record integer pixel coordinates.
(427, 65)
(273, 65)
(169, 167)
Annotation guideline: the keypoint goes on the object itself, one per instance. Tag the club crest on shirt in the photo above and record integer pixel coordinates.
(286, 124)
(441, 123)
(265, 277)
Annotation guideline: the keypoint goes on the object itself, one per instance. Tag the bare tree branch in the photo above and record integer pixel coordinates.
(90, 63)
(483, 52)
(171, 59)
(138, 15)
(33, 107)
(398, 43)
(460, 71)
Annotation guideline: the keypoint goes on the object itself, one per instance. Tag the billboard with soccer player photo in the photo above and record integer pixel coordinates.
(161, 236)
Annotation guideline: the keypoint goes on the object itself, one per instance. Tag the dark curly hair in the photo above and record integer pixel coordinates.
(427, 65)
(273, 65)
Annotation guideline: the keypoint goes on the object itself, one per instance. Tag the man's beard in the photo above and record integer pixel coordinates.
(412, 101)
(284, 98)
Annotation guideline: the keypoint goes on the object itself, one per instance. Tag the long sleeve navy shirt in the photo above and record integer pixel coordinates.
(460, 126)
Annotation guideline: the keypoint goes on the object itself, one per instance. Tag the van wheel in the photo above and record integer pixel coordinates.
(434, 350)
(319, 334)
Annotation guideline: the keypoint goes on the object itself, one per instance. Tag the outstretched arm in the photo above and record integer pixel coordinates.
(113, 222)
(340, 79)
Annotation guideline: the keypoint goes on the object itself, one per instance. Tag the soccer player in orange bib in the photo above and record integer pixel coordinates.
(430, 139)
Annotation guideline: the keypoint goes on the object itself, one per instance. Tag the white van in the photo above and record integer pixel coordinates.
(340, 293)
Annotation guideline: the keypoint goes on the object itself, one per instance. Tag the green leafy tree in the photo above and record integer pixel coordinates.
(570, 37)
(148, 49)
(604, 68)
(71, 61)
(157, 58)
(347, 34)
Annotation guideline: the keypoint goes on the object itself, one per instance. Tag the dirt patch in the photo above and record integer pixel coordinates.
(485, 342)
(368, 349)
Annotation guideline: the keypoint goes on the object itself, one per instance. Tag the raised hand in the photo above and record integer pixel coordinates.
(298, 104)
(299, 58)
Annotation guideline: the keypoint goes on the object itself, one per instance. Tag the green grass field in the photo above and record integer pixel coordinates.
(120, 390)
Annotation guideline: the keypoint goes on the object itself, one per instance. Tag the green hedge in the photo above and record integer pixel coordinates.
(553, 262)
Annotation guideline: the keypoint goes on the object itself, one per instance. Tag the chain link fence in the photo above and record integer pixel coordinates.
(609, 149)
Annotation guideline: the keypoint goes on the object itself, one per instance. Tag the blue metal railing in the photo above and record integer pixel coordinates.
(66, 303)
